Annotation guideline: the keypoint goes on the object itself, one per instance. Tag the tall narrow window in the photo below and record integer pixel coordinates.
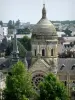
(35, 52)
(43, 52)
(65, 83)
(51, 52)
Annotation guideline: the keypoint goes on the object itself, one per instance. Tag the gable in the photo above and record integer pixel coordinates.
(39, 64)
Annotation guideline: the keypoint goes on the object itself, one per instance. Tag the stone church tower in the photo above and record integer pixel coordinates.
(44, 49)
(15, 52)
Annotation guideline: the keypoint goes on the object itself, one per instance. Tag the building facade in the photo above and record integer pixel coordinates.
(3, 30)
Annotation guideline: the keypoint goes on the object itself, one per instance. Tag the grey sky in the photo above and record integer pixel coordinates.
(30, 10)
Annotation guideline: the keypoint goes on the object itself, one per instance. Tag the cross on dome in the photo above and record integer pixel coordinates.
(44, 12)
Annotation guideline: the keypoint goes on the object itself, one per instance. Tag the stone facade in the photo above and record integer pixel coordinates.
(44, 49)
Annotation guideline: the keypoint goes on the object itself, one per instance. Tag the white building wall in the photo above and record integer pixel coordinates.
(2, 80)
(1, 30)
(73, 33)
(5, 31)
(22, 35)
(1, 34)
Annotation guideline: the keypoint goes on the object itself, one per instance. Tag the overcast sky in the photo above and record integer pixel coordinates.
(30, 10)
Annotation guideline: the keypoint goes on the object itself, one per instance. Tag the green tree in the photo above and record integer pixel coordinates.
(22, 50)
(52, 89)
(68, 32)
(1, 23)
(17, 23)
(18, 83)
(11, 24)
(23, 31)
(26, 42)
(8, 51)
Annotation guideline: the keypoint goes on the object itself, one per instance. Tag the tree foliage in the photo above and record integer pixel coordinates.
(26, 42)
(17, 23)
(11, 24)
(9, 49)
(52, 89)
(22, 50)
(23, 31)
(68, 32)
(1, 23)
(18, 83)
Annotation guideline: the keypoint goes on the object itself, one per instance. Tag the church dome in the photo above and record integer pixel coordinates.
(44, 27)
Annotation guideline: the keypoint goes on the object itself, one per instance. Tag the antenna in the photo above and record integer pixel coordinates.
(44, 10)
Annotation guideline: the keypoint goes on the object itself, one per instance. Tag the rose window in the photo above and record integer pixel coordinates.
(36, 80)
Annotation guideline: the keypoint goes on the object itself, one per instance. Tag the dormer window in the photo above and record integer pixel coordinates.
(43, 52)
(51, 52)
(65, 46)
(62, 67)
(73, 67)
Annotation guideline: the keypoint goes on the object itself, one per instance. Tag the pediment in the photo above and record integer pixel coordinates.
(39, 64)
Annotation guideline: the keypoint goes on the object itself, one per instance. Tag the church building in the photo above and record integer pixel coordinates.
(43, 56)
(44, 49)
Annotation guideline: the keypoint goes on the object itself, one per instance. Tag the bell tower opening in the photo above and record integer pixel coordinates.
(51, 52)
(43, 52)
(35, 52)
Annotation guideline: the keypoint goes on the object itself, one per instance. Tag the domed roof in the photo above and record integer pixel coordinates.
(44, 26)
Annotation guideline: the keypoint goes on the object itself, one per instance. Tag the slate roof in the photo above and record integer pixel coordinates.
(70, 39)
(68, 65)
(73, 49)
(2, 47)
(3, 44)
(65, 65)
(4, 63)
(28, 55)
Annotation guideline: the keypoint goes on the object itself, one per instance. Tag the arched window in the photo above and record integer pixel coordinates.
(43, 52)
(65, 83)
(35, 52)
(51, 52)
(36, 80)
